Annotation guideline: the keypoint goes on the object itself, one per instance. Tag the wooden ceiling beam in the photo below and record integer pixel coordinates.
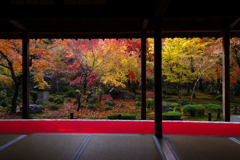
(145, 24)
(232, 24)
(18, 24)
(161, 7)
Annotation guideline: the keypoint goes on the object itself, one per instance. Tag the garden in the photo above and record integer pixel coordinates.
(101, 79)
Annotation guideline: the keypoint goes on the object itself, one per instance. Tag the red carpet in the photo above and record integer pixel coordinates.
(125, 127)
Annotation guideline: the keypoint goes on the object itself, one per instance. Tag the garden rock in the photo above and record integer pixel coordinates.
(165, 108)
(118, 94)
(33, 108)
(111, 103)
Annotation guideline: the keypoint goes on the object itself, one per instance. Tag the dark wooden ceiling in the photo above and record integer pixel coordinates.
(117, 18)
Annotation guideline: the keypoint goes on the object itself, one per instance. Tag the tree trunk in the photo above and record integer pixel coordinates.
(201, 88)
(133, 87)
(14, 99)
(212, 87)
(178, 90)
(219, 85)
(79, 102)
(129, 86)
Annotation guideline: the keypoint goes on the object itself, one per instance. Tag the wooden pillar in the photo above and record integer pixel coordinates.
(226, 76)
(143, 76)
(158, 77)
(25, 70)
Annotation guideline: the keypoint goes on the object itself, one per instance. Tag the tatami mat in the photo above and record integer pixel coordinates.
(111, 147)
(204, 147)
(43, 147)
(5, 138)
(238, 138)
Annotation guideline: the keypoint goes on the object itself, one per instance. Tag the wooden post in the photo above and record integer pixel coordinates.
(158, 77)
(25, 79)
(226, 76)
(143, 76)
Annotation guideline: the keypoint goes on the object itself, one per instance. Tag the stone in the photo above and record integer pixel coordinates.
(43, 97)
(165, 108)
(33, 108)
(111, 103)
(118, 94)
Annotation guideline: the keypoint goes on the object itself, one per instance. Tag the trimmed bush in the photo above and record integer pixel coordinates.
(200, 110)
(173, 105)
(185, 94)
(123, 116)
(177, 109)
(192, 109)
(90, 107)
(108, 108)
(34, 95)
(170, 92)
(175, 115)
(137, 103)
(150, 103)
(213, 107)
(219, 98)
(3, 103)
(171, 100)
(182, 102)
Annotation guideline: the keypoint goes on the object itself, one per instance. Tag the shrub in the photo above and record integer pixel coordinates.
(92, 100)
(55, 107)
(3, 103)
(192, 109)
(177, 109)
(136, 99)
(70, 93)
(137, 93)
(123, 116)
(108, 108)
(213, 107)
(69, 100)
(200, 110)
(90, 106)
(182, 102)
(137, 103)
(138, 96)
(51, 98)
(175, 115)
(170, 92)
(185, 94)
(75, 102)
(219, 98)
(34, 95)
(128, 116)
(171, 100)
(114, 116)
(59, 100)
(150, 103)
(173, 105)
